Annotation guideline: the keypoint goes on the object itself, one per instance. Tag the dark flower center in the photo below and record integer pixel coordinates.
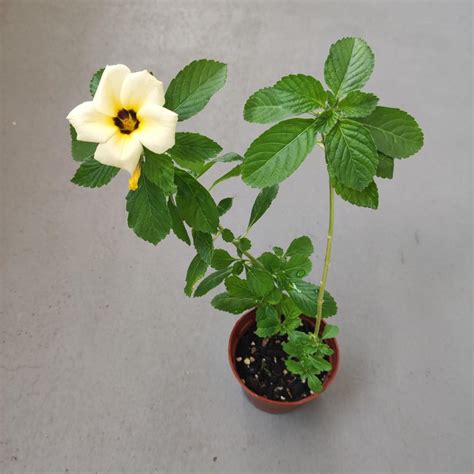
(126, 121)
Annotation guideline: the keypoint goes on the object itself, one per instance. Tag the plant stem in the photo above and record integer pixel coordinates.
(327, 258)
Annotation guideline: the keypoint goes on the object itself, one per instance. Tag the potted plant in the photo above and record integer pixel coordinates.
(281, 351)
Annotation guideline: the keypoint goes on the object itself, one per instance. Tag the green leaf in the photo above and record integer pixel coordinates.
(300, 246)
(368, 197)
(357, 104)
(228, 158)
(325, 121)
(237, 287)
(159, 170)
(278, 152)
(237, 268)
(385, 167)
(274, 297)
(224, 205)
(221, 259)
(92, 174)
(235, 171)
(297, 266)
(193, 147)
(148, 213)
(262, 203)
(292, 95)
(94, 83)
(81, 151)
(348, 66)
(305, 295)
(177, 224)
(227, 235)
(330, 331)
(351, 154)
(244, 244)
(268, 321)
(314, 383)
(395, 132)
(232, 304)
(292, 313)
(195, 204)
(211, 281)
(196, 270)
(270, 261)
(193, 87)
(260, 282)
(204, 245)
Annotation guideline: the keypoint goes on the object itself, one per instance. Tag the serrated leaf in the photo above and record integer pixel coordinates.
(278, 152)
(262, 203)
(232, 304)
(357, 104)
(348, 66)
(300, 246)
(237, 287)
(81, 151)
(325, 121)
(235, 171)
(268, 321)
(193, 147)
(92, 174)
(221, 259)
(314, 383)
(395, 132)
(195, 204)
(330, 331)
(177, 224)
(368, 197)
(385, 167)
(305, 295)
(159, 170)
(351, 155)
(297, 266)
(224, 205)
(270, 261)
(204, 245)
(196, 270)
(148, 213)
(260, 282)
(244, 244)
(193, 87)
(212, 281)
(94, 82)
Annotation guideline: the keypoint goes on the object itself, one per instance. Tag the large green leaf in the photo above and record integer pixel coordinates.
(221, 259)
(385, 167)
(177, 223)
(192, 88)
(278, 152)
(81, 151)
(368, 197)
(193, 147)
(212, 281)
(351, 154)
(196, 270)
(348, 66)
(224, 205)
(195, 204)
(204, 245)
(305, 295)
(297, 266)
(395, 132)
(268, 321)
(159, 170)
(262, 203)
(260, 282)
(232, 304)
(237, 287)
(357, 104)
(148, 213)
(92, 174)
(300, 246)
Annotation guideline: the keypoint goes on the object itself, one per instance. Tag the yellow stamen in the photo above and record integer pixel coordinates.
(133, 181)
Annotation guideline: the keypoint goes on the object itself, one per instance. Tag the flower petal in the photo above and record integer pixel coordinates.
(90, 124)
(157, 128)
(122, 151)
(140, 88)
(107, 96)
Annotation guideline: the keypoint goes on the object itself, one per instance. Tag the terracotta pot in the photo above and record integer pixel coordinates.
(241, 327)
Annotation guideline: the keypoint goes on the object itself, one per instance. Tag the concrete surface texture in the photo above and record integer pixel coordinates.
(106, 366)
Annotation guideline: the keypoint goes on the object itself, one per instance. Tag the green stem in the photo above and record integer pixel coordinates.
(327, 258)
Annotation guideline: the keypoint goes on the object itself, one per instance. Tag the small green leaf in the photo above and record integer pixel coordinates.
(268, 321)
(237, 268)
(94, 83)
(224, 205)
(325, 121)
(148, 213)
(228, 158)
(193, 87)
(159, 170)
(262, 203)
(314, 383)
(351, 155)
(92, 174)
(81, 151)
(300, 246)
(196, 270)
(232, 304)
(237, 287)
(348, 66)
(221, 259)
(244, 244)
(330, 331)
(278, 251)
(395, 132)
(177, 224)
(212, 281)
(278, 152)
(204, 245)
(260, 282)
(195, 204)
(357, 104)
(235, 171)
(368, 197)
(385, 167)
(227, 235)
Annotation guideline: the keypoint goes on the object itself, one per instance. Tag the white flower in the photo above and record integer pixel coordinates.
(125, 115)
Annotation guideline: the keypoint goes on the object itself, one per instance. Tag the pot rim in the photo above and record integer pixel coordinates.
(246, 320)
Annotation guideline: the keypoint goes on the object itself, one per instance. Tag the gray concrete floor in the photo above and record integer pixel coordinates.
(107, 366)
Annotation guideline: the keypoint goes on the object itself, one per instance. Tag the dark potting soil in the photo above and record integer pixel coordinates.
(261, 366)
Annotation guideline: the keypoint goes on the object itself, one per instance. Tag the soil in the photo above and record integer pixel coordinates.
(261, 366)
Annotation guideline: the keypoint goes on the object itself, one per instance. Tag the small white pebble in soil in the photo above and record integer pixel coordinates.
(247, 361)
(285, 372)
(238, 359)
(243, 381)
(311, 392)
(282, 398)
(265, 342)
(279, 388)
(252, 343)
(252, 359)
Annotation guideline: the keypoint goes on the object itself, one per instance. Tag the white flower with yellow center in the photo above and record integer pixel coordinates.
(125, 115)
